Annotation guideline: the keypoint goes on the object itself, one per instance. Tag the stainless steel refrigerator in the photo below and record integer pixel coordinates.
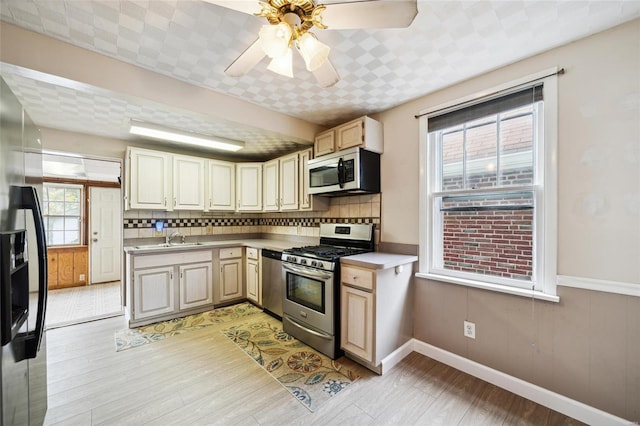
(23, 268)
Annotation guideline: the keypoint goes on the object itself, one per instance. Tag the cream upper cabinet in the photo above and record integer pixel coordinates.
(288, 178)
(364, 132)
(303, 179)
(188, 183)
(221, 186)
(270, 188)
(325, 142)
(149, 179)
(305, 200)
(280, 184)
(249, 186)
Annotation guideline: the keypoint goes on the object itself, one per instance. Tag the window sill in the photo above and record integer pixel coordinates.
(491, 287)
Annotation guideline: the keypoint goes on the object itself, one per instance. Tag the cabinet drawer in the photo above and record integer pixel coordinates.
(356, 277)
(231, 252)
(252, 253)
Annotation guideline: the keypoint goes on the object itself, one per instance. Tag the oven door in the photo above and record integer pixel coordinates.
(309, 297)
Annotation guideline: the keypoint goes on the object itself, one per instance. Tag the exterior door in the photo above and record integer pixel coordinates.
(105, 234)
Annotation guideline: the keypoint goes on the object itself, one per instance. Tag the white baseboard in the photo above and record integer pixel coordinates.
(572, 408)
(396, 356)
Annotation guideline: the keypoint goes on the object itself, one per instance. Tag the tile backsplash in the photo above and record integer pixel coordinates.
(351, 209)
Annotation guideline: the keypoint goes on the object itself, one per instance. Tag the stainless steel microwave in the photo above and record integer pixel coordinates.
(351, 171)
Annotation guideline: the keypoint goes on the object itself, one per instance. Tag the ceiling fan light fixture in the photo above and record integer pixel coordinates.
(156, 131)
(275, 39)
(314, 52)
(283, 65)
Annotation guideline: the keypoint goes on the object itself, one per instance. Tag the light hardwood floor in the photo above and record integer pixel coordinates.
(201, 377)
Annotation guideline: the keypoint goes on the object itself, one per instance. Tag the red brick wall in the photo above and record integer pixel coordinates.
(498, 242)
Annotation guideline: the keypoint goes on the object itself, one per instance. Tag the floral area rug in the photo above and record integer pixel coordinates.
(132, 338)
(311, 377)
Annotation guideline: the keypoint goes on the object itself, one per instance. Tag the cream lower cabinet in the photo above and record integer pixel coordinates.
(154, 292)
(168, 285)
(196, 287)
(231, 284)
(357, 320)
(376, 313)
(253, 276)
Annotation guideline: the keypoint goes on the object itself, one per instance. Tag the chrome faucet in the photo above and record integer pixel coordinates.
(172, 236)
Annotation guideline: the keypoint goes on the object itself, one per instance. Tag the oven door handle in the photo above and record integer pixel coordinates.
(306, 271)
(308, 330)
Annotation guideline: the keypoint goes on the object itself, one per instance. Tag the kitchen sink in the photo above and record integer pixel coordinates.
(170, 245)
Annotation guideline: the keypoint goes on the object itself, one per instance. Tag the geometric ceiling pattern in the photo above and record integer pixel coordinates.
(194, 41)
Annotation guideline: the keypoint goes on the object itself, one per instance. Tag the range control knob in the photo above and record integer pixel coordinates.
(314, 263)
(291, 258)
(303, 261)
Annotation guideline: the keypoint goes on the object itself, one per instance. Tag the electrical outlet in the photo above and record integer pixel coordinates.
(82, 277)
(470, 329)
(209, 230)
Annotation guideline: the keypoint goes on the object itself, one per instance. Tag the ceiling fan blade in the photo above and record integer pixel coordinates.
(250, 7)
(326, 75)
(370, 14)
(246, 61)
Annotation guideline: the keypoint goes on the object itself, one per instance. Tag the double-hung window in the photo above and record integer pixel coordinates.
(62, 208)
(488, 197)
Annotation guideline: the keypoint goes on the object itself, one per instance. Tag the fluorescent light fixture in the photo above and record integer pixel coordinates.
(283, 65)
(165, 133)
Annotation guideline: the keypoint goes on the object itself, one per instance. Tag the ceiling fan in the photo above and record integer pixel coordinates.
(290, 22)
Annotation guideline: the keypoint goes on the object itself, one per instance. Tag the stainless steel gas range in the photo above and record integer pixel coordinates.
(311, 300)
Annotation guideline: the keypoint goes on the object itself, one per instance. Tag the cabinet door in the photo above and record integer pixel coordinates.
(149, 179)
(221, 191)
(270, 193)
(230, 279)
(303, 180)
(196, 285)
(153, 292)
(325, 143)
(188, 183)
(289, 182)
(52, 270)
(254, 288)
(357, 326)
(350, 134)
(249, 186)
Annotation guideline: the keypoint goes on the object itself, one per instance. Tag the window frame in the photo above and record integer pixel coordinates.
(543, 284)
(81, 216)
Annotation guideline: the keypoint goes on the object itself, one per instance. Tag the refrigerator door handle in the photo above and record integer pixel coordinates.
(28, 200)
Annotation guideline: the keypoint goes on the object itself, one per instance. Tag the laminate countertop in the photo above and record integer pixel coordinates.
(378, 260)
(277, 245)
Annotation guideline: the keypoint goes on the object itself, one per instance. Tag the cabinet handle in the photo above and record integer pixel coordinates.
(174, 201)
(180, 274)
(171, 275)
(165, 201)
(209, 203)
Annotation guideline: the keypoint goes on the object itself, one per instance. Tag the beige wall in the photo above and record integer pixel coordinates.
(598, 158)
(38, 52)
(586, 347)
